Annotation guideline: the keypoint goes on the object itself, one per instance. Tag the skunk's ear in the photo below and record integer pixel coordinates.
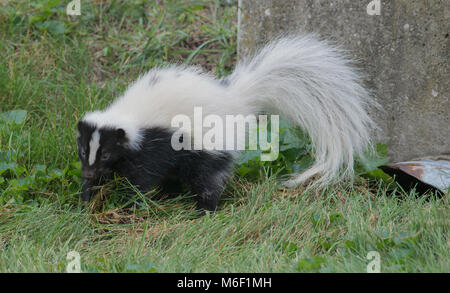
(121, 135)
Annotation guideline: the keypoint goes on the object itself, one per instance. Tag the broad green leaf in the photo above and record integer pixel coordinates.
(247, 156)
(350, 244)
(14, 116)
(56, 27)
(56, 173)
(40, 170)
(7, 166)
(290, 248)
(373, 161)
(10, 155)
(293, 138)
(310, 264)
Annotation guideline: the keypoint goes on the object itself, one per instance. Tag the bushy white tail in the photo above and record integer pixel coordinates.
(311, 83)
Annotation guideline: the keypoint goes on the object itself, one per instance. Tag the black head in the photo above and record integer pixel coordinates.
(99, 149)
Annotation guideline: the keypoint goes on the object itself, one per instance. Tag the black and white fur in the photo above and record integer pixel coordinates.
(302, 79)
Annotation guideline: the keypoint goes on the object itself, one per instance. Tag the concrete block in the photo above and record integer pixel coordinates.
(404, 51)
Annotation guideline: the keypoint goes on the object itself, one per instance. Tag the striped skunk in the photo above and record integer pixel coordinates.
(302, 78)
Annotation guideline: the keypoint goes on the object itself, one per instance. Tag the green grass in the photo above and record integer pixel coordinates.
(57, 67)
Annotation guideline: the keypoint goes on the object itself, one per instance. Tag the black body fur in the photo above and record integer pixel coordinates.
(155, 164)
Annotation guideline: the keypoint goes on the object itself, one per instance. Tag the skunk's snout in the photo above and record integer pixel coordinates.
(86, 197)
(88, 174)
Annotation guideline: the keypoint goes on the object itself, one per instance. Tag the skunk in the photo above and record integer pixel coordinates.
(301, 78)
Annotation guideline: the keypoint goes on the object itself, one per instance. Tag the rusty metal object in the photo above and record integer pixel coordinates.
(424, 175)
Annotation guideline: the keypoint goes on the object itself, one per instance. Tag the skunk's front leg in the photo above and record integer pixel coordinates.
(206, 174)
(208, 199)
(208, 188)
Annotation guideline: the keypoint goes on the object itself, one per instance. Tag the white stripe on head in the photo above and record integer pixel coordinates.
(94, 144)
(117, 120)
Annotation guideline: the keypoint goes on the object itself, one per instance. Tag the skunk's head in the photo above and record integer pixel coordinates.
(99, 148)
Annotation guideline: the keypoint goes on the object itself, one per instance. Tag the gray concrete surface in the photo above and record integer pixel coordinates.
(404, 51)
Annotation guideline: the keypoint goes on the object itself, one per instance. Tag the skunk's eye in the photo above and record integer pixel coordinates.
(83, 153)
(105, 156)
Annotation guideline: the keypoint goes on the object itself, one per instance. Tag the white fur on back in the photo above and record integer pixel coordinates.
(176, 90)
(156, 97)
